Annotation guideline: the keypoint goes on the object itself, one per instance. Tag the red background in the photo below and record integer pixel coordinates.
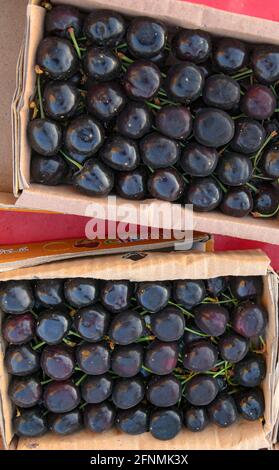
(20, 227)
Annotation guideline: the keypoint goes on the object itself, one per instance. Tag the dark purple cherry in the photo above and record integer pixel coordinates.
(142, 80)
(92, 322)
(96, 389)
(30, 423)
(57, 362)
(116, 295)
(158, 151)
(80, 292)
(161, 58)
(246, 287)
(49, 292)
(221, 91)
(198, 160)
(250, 404)
(259, 102)
(126, 361)
(251, 371)
(165, 424)
(61, 397)
(64, 424)
(133, 421)
(100, 417)
(84, 135)
(126, 327)
(120, 153)
(101, 64)
(249, 319)
(62, 17)
(94, 179)
(266, 200)
(233, 347)
(230, 55)
(19, 329)
(174, 121)
(204, 193)
(265, 63)
(153, 296)
(25, 392)
(166, 184)
(104, 28)
(270, 161)
(161, 358)
(146, 37)
(216, 285)
(60, 100)
(184, 82)
(57, 58)
(194, 335)
(134, 121)
(211, 318)
(189, 292)
(237, 202)
(49, 171)
(132, 184)
(213, 127)
(21, 360)
(128, 392)
(105, 100)
(168, 324)
(200, 356)
(234, 169)
(16, 297)
(223, 411)
(195, 418)
(192, 44)
(53, 325)
(93, 358)
(45, 136)
(201, 390)
(249, 136)
(163, 391)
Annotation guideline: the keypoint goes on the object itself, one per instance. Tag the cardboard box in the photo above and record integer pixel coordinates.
(166, 266)
(64, 198)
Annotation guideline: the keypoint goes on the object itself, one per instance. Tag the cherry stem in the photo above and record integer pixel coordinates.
(183, 310)
(42, 113)
(145, 338)
(71, 160)
(195, 332)
(39, 345)
(258, 214)
(146, 369)
(238, 116)
(121, 46)
(252, 187)
(69, 343)
(78, 382)
(153, 105)
(224, 189)
(72, 333)
(33, 313)
(242, 74)
(124, 58)
(276, 110)
(71, 32)
(257, 156)
(46, 381)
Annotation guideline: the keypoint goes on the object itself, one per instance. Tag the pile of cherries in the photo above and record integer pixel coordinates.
(128, 106)
(147, 356)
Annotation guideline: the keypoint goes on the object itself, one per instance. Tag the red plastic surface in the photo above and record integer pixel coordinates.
(20, 227)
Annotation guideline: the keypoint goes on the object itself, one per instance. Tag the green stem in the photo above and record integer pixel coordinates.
(195, 332)
(71, 32)
(78, 165)
(34, 313)
(238, 116)
(268, 215)
(253, 188)
(145, 338)
(72, 333)
(276, 110)
(242, 74)
(121, 46)
(46, 381)
(146, 369)
(42, 113)
(78, 382)
(183, 310)
(124, 58)
(153, 105)
(224, 189)
(39, 345)
(257, 156)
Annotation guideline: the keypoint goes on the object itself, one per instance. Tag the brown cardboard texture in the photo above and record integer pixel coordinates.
(158, 266)
(174, 12)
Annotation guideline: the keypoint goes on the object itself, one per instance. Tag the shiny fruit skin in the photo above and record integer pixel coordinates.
(246, 287)
(62, 17)
(126, 361)
(96, 389)
(84, 135)
(195, 419)
(213, 127)
(234, 169)
(120, 153)
(174, 122)
(165, 423)
(49, 292)
(221, 91)
(57, 362)
(49, 171)
(57, 58)
(216, 285)
(132, 184)
(200, 356)
(159, 151)
(163, 391)
(25, 392)
(265, 64)
(53, 326)
(16, 297)
(30, 423)
(64, 424)
(184, 82)
(201, 390)
(105, 100)
(128, 392)
(19, 329)
(237, 202)
(189, 292)
(168, 324)
(166, 184)
(80, 292)
(135, 120)
(94, 179)
(198, 160)
(146, 37)
(251, 371)
(212, 319)
(133, 421)
(99, 418)
(266, 200)
(21, 360)
(230, 55)
(204, 194)
(270, 161)
(161, 358)
(61, 397)
(126, 327)
(250, 404)
(249, 319)
(258, 102)
(105, 28)
(101, 64)
(232, 347)
(249, 136)
(60, 100)
(116, 295)
(93, 358)
(91, 322)
(193, 45)
(45, 136)
(153, 296)
(223, 411)
(142, 80)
